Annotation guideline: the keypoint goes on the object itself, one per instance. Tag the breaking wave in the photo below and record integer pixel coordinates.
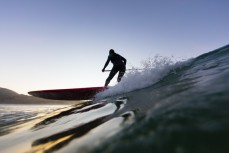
(153, 70)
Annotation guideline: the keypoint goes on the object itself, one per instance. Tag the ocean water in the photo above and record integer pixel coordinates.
(15, 114)
(168, 107)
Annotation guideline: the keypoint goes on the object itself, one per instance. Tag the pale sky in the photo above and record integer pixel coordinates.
(55, 44)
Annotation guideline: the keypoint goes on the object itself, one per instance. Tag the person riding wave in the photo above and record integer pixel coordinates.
(119, 65)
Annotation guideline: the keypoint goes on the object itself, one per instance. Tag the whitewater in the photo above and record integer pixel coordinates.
(152, 71)
(167, 107)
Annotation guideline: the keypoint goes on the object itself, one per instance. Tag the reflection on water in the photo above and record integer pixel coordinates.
(63, 138)
(60, 127)
(51, 145)
(59, 140)
(53, 118)
(12, 115)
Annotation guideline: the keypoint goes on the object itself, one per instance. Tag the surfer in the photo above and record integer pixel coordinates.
(119, 65)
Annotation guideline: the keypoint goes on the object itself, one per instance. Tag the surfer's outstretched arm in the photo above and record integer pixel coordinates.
(107, 62)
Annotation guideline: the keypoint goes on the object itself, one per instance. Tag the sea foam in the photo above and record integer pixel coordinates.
(153, 70)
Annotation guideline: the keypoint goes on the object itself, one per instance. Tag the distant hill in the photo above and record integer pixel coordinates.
(7, 94)
(10, 97)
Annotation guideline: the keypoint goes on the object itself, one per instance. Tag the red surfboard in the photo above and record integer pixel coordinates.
(68, 94)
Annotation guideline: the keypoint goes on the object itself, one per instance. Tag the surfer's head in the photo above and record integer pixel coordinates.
(111, 52)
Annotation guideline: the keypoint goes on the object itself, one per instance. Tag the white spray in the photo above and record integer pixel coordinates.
(153, 70)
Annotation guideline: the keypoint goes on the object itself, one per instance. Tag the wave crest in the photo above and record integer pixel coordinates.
(153, 70)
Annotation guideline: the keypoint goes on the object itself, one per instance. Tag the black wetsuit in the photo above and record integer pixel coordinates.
(119, 65)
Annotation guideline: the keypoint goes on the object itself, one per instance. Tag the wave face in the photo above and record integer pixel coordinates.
(168, 107)
(184, 111)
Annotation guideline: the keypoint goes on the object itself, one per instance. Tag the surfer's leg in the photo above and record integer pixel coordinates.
(121, 73)
(111, 75)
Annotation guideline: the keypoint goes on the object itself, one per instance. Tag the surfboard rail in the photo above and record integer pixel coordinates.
(68, 94)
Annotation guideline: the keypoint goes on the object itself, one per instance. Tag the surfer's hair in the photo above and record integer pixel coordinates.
(111, 51)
